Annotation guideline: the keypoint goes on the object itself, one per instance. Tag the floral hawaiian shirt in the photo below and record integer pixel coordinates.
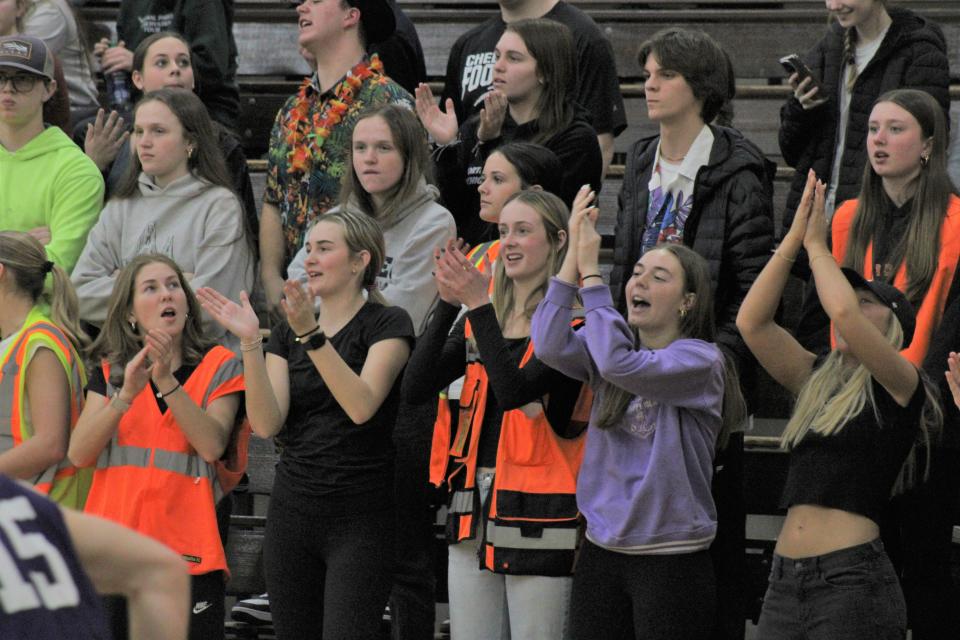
(303, 188)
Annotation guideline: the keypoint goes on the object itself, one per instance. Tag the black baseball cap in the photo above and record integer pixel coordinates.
(26, 53)
(377, 19)
(890, 296)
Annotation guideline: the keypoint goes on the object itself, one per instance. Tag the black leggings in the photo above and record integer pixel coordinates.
(650, 597)
(328, 575)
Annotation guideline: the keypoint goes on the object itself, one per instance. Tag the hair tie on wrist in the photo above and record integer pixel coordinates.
(164, 395)
(592, 275)
(304, 335)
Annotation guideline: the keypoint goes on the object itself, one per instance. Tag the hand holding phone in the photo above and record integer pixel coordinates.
(807, 89)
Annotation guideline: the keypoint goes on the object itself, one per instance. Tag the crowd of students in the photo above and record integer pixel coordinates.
(430, 276)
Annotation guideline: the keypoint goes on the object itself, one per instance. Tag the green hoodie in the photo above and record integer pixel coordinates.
(49, 182)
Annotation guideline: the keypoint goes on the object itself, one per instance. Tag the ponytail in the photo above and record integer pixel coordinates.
(65, 307)
(27, 262)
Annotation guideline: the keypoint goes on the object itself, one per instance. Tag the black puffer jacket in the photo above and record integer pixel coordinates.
(730, 224)
(913, 54)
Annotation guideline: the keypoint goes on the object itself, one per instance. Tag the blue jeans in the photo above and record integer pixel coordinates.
(851, 594)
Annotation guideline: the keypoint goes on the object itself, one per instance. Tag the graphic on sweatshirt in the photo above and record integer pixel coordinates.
(477, 72)
(640, 419)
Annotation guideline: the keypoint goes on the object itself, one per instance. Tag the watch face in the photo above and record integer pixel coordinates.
(316, 341)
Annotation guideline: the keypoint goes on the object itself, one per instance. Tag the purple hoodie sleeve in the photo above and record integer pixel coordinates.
(686, 373)
(555, 343)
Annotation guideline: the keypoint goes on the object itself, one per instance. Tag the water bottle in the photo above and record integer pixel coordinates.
(119, 95)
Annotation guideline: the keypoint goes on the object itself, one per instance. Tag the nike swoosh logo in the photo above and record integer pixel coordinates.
(200, 607)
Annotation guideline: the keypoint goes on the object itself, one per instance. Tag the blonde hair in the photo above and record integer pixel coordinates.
(26, 261)
(848, 392)
(361, 233)
(554, 216)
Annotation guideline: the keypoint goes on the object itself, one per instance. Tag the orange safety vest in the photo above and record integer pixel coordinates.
(64, 483)
(532, 518)
(931, 309)
(151, 480)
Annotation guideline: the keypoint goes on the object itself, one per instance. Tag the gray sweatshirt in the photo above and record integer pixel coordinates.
(406, 279)
(197, 224)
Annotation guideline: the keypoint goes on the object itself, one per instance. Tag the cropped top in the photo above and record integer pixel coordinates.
(855, 468)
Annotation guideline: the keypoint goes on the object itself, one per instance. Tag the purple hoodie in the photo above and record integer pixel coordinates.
(644, 486)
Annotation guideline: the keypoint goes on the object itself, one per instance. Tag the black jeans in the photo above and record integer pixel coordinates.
(618, 596)
(413, 598)
(851, 594)
(328, 572)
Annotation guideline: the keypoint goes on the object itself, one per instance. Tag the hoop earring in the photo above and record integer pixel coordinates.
(683, 313)
(133, 326)
(924, 161)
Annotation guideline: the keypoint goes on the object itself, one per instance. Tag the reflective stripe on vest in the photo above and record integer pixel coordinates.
(528, 495)
(150, 478)
(62, 482)
(549, 539)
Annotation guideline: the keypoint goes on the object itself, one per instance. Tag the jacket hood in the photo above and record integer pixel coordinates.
(51, 140)
(731, 154)
(186, 186)
(397, 212)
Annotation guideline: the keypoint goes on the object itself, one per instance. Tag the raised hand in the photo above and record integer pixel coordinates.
(441, 125)
(815, 238)
(159, 347)
(793, 241)
(953, 376)
(588, 240)
(492, 115)
(297, 303)
(239, 319)
(136, 375)
(459, 280)
(104, 138)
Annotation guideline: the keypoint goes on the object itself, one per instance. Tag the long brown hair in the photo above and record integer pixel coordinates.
(27, 262)
(206, 162)
(119, 342)
(410, 139)
(551, 45)
(697, 323)
(920, 246)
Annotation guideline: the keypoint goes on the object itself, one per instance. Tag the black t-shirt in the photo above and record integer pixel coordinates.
(855, 469)
(324, 453)
(98, 384)
(470, 69)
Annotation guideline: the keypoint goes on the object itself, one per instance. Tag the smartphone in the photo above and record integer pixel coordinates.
(793, 64)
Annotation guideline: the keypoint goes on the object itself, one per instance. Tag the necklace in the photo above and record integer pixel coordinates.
(669, 159)
(305, 136)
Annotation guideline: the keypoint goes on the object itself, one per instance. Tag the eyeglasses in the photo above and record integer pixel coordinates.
(21, 82)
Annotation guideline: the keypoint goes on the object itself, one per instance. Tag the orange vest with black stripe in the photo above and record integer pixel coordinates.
(531, 524)
(150, 479)
(63, 483)
(931, 309)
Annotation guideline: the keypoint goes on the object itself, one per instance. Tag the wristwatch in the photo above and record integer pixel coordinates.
(314, 341)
